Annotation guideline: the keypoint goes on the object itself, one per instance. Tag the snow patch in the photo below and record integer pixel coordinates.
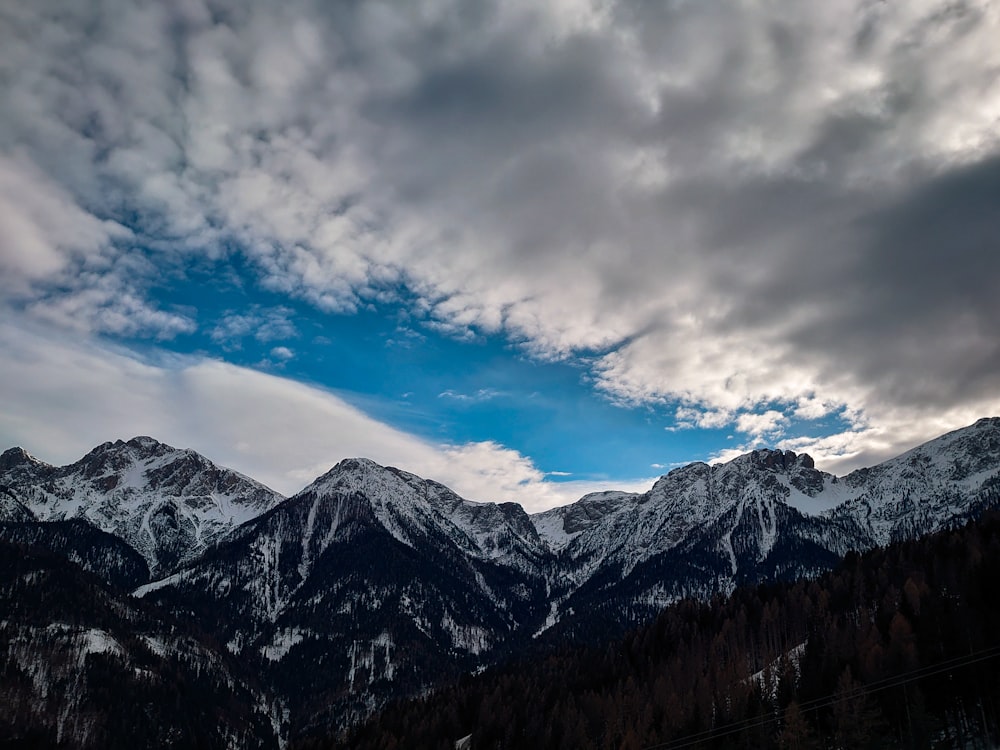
(551, 528)
(282, 643)
(371, 659)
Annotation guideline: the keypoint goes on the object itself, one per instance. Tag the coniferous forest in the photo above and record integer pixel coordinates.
(899, 647)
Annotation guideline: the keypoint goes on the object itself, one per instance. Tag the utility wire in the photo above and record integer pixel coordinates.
(829, 700)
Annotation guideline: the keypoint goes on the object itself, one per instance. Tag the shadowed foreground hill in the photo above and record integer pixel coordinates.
(899, 647)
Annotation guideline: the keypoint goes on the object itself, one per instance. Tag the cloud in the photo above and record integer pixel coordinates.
(264, 325)
(41, 227)
(794, 218)
(60, 263)
(105, 307)
(760, 425)
(483, 394)
(63, 396)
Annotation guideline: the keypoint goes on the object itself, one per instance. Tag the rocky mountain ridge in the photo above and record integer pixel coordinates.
(167, 504)
(372, 583)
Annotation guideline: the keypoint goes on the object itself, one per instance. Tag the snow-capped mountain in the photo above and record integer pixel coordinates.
(386, 580)
(168, 504)
(949, 477)
(372, 582)
(407, 505)
(704, 529)
(699, 530)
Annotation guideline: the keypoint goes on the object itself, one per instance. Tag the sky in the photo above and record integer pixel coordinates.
(530, 250)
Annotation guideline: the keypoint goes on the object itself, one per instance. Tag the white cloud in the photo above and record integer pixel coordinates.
(263, 324)
(760, 425)
(687, 417)
(64, 396)
(41, 228)
(483, 394)
(61, 262)
(106, 307)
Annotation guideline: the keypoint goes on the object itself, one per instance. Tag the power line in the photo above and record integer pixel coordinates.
(825, 701)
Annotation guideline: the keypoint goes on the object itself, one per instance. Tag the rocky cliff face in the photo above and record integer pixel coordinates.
(166, 503)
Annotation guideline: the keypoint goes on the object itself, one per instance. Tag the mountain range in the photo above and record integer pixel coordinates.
(310, 612)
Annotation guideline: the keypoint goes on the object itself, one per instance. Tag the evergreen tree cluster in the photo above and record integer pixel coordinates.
(83, 665)
(899, 647)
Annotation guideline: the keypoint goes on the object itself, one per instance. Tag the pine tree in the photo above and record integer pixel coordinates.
(796, 734)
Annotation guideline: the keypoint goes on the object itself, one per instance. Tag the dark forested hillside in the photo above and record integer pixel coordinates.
(898, 647)
(105, 555)
(83, 665)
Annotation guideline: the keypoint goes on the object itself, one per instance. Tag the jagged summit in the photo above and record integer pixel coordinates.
(357, 463)
(778, 460)
(14, 456)
(167, 503)
(144, 441)
(411, 508)
(18, 457)
(140, 443)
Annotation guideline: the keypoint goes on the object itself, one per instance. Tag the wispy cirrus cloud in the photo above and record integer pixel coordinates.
(483, 394)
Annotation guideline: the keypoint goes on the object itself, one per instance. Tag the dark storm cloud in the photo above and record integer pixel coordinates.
(924, 292)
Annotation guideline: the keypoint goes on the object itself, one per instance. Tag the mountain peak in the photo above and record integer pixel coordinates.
(777, 460)
(144, 442)
(357, 473)
(357, 463)
(167, 503)
(141, 445)
(16, 456)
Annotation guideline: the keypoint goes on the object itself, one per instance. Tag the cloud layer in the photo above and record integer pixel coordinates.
(68, 397)
(758, 212)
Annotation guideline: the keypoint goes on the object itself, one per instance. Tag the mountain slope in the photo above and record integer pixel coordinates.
(168, 504)
(912, 494)
(98, 552)
(895, 648)
(85, 666)
(373, 583)
(376, 583)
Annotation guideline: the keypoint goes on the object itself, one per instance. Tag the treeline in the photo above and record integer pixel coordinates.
(899, 647)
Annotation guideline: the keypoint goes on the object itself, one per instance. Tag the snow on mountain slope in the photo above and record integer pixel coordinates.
(924, 488)
(169, 504)
(13, 510)
(560, 526)
(285, 545)
(364, 572)
(917, 492)
(406, 505)
(711, 526)
(391, 582)
(626, 529)
(703, 529)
